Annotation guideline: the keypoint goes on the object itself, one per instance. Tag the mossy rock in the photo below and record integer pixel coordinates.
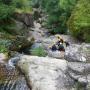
(20, 43)
(79, 22)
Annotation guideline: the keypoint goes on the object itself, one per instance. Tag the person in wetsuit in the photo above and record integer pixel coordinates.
(59, 45)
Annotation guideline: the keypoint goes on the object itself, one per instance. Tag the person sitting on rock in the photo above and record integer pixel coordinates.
(61, 40)
(59, 45)
(53, 47)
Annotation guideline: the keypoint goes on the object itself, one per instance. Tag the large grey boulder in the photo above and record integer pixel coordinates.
(76, 53)
(80, 72)
(44, 73)
(78, 57)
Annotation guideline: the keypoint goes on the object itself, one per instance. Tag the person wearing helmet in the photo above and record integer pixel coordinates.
(59, 45)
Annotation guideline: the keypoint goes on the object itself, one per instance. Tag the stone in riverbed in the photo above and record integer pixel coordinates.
(79, 68)
(80, 72)
(78, 57)
(45, 73)
(78, 53)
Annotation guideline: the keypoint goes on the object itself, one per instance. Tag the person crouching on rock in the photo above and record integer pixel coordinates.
(53, 47)
(59, 45)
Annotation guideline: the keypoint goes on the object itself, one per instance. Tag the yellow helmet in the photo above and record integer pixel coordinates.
(58, 36)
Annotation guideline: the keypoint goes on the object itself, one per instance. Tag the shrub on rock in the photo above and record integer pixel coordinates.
(38, 51)
(79, 22)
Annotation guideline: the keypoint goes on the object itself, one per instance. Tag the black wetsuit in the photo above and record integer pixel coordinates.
(54, 48)
(60, 46)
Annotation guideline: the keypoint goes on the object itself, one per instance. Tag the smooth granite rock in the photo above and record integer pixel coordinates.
(45, 73)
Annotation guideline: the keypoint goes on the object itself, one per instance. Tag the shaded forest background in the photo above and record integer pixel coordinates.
(61, 16)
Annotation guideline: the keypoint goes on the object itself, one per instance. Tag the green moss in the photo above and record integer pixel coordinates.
(79, 86)
(4, 44)
(79, 22)
(38, 51)
(3, 49)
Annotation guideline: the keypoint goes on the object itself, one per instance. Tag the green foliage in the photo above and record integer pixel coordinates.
(38, 51)
(54, 22)
(80, 86)
(6, 11)
(3, 49)
(36, 3)
(67, 5)
(58, 12)
(7, 2)
(79, 22)
(4, 46)
(23, 6)
(8, 8)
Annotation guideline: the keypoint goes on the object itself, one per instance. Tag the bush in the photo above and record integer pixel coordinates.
(54, 21)
(38, 51)
(57, 11)
(7, 8)
(79, 22)
(6, 11)
(4, 46)
(23, 6)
